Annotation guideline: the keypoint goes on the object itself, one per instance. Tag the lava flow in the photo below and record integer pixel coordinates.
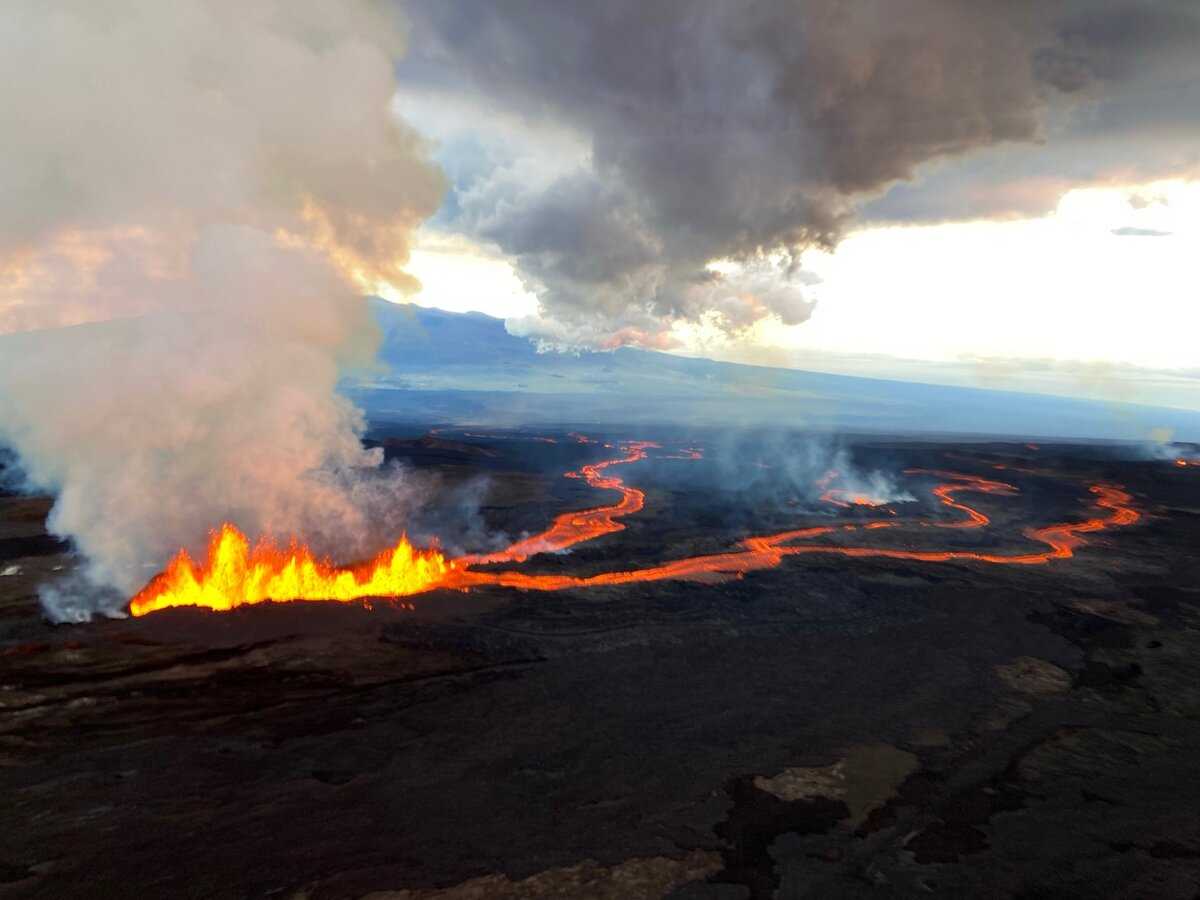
(576, 527)
(235, 575)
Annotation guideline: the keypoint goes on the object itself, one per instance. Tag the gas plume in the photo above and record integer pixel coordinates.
(1182, 455)
(211, 185)
(781, 468)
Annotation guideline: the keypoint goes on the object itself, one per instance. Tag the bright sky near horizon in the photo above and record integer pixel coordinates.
(1100, 283)
(1010, 191)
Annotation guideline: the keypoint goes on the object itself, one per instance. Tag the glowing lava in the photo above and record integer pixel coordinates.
(235, 575)
(844, 498)
(576, 527)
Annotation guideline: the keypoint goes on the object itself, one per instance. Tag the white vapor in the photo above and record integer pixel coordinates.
(223, 179)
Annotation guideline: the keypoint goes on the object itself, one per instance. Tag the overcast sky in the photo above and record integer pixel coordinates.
(1003, 192)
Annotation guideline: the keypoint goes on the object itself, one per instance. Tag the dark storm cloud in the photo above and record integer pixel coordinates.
(741, 129)
(1122, 97)
(1106, 42)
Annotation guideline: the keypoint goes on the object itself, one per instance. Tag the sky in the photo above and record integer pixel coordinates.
(999, 194)
(1096, 298)
(994, 192)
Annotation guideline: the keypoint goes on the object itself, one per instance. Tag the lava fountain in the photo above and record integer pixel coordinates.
(234, 574)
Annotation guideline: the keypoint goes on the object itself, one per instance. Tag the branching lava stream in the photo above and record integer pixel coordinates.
(234, 574)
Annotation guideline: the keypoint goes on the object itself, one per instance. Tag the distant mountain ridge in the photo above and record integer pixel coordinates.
(465, 367)
(441, 367)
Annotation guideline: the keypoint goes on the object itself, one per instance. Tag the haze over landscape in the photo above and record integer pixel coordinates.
(440, 367)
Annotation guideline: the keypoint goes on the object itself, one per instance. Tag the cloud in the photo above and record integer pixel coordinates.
(747, 131)
(1129, 231)
(1142, 200)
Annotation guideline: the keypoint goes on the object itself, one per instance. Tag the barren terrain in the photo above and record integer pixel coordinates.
(830, 726)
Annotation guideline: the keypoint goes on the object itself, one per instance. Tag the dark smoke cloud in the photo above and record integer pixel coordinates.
(754, 130)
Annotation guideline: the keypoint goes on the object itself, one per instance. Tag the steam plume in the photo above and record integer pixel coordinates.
(224, 179)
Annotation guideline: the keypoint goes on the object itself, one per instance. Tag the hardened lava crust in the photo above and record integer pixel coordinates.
(926, 715)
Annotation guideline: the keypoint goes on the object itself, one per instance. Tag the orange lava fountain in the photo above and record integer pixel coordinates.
(235, 575)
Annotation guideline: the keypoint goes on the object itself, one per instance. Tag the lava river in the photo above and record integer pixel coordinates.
(236, 574)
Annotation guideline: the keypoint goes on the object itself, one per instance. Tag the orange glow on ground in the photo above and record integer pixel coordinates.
(235, 575)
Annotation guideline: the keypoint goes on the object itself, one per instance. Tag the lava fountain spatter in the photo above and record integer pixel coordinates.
(235, 575)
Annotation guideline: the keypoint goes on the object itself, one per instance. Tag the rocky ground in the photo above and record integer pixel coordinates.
(832, 728)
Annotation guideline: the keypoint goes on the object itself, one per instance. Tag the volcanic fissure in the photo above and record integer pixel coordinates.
(236, 574)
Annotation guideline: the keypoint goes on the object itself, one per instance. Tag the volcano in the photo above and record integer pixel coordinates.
(437, 366)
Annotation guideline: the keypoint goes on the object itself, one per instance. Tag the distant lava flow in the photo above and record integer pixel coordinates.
(234, 574)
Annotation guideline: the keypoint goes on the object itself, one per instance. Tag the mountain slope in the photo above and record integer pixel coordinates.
(440, 366)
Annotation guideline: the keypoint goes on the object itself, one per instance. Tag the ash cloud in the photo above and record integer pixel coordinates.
(753, 131)
(209, 185)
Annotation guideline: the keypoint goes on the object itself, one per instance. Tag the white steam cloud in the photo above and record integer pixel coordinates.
(223, 179)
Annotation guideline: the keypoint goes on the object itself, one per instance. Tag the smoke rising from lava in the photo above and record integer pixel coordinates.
(779, 468)
(224, 180)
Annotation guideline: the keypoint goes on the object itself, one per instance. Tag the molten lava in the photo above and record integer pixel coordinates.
(574, 528)
(844, 498)
(235, 575)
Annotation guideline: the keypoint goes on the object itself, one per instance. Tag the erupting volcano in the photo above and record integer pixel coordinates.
(234, 574)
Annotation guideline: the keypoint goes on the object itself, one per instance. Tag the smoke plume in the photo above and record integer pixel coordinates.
(211, 185)
(778, 468)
